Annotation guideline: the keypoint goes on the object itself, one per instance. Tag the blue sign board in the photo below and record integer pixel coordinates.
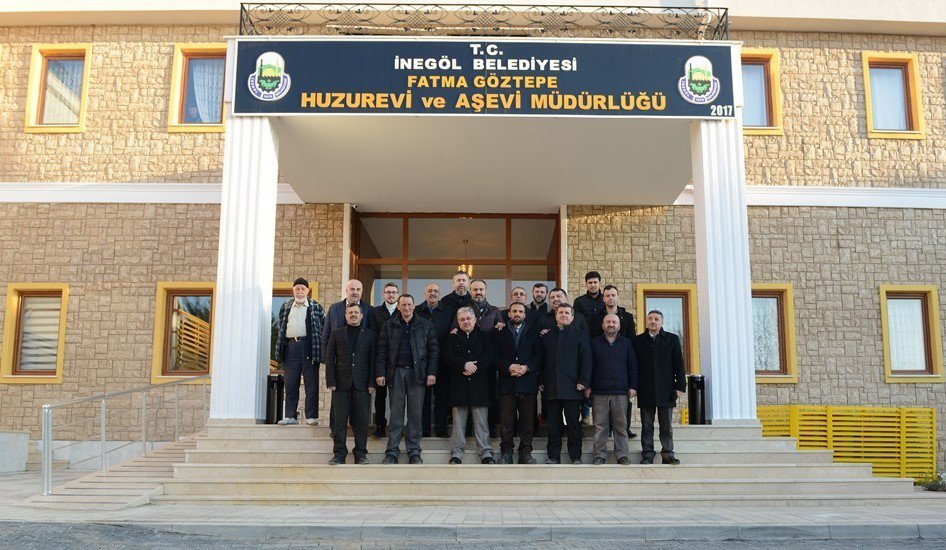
(483, 77)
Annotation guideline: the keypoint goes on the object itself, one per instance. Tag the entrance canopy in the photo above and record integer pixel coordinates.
(483, 164)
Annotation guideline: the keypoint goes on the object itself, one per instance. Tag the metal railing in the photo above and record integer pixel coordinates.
(101, 415)
(523, 20)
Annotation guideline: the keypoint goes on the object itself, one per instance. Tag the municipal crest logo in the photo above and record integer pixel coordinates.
(698, 85)
(270, 81)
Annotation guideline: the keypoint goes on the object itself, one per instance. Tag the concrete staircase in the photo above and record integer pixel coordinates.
(34, 460)
(722, 465)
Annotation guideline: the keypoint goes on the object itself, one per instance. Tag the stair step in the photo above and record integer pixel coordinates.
(471, 457)
(514, 473)
(477, 488)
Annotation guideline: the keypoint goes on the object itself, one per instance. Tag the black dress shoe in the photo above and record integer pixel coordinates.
(505, 459)
(388, 459)
(631, 435)
(488, 460)
(526, 459)
(336, 460)
(673, 461)
(598, 461)
(624, 461)
(576, 461)
(455, 460)
(553, 461)
(647, 461)
(416, 459)
(362, 460)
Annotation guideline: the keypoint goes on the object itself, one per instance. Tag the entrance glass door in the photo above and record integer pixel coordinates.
(412, 250)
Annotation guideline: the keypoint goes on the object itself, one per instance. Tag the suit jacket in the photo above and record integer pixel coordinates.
(380, 316)
(566, 362)
(424, 348)
(526, 353)
(473, 390)
(660, 369)
(347, 368)
(532, 316)
(314, 320)
(335, 317)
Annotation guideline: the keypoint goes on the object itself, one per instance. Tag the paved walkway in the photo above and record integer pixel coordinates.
(393, 524)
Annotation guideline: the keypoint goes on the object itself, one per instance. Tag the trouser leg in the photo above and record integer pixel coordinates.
(647, 432)
(507, 423)
(398, 393)
(526, 408)
(310, 375)
(572, 409)
(630, 413)
(553, 417)
(619, 405)
(664, 416)
(441, 404)
(293, 365)
(341, 405)
(458, 437)
(426, 416)
(481, 431)
(601, 412)
(415, 414)
(381, 406)
(360, 409)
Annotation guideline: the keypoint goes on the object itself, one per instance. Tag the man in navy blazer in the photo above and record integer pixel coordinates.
(518, 364)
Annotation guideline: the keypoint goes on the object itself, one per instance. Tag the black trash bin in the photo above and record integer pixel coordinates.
(275, 384)
(696, 390)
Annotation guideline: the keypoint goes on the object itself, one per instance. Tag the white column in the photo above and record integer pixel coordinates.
(241, 333)
(723, 279)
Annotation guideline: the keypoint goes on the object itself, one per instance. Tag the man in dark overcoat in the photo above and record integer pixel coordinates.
(661, 380)
(565, 374)
(349, 374)
(469, 355)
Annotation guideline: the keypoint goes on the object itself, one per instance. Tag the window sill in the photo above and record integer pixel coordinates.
(196, 128)
(776, 378)
(914, 379)
(164, 379)
(26, 379)
(878, 134)
(762, 131)
(41, 129)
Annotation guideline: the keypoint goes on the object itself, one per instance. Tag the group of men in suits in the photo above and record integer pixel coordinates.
(459, 358)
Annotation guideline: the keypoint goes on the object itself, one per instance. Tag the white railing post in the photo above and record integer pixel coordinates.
(47, 450)
(103, 436)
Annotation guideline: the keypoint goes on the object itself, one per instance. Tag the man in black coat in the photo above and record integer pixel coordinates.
(379, 317)
(591, 302)
(518, 296)
(434, 311)
(349, 374)
(661, 380)
(558, 296)
(335, 317)
(407, 361)
(540, 303)
(469, 355)
(518, 366)
(628, 329)
(460, 297)
(565, 374)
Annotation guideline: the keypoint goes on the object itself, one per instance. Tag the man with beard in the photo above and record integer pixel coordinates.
(469, 355)
(460, 296)
(434, 311)
(518, 367)
(613, 383)
(628, 330)
(539, 304)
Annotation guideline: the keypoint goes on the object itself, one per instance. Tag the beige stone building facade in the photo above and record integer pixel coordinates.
(825, 213)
